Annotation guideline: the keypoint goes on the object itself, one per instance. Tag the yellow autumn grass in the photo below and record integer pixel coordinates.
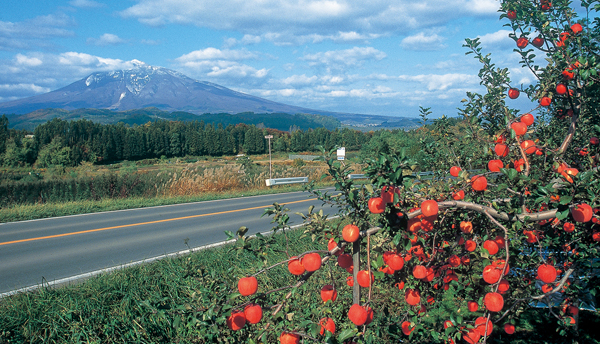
(193, 180)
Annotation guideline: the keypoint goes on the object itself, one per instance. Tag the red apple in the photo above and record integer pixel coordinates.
(538, 42)
(454, 171)
(546, 5)
(473, 306)
(582, 212)
(495, 165)
(459, 195)
(568, 74)
(576, 28)
(501, 150)
(513, 93)
(528, 119)
(328, 292)
(376, 205)
(509, 328)
(545, 101)
(528, 146)
(522, 42)
(520, 128)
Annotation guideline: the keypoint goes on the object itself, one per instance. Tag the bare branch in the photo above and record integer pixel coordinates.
(532, 217)
(567, 141)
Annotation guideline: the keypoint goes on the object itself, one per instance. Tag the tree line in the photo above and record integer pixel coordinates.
(68, 143)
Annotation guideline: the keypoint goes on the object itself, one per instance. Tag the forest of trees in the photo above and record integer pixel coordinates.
(68, 143)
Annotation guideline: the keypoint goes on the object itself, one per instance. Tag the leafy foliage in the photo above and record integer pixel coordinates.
(484, 235)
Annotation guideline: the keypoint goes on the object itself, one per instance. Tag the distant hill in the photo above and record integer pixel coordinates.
(147, 86)
(280, 121)
(164, 90)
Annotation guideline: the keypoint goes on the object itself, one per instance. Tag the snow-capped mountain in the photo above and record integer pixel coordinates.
(148, 86)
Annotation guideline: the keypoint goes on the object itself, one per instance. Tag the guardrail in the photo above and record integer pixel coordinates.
(293, 180)
(303, 157)
(357, 176)
(282, 181)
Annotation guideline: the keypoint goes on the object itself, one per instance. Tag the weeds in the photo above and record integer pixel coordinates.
(27, 194)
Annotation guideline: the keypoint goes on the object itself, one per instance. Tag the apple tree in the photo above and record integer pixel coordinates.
(507, 221)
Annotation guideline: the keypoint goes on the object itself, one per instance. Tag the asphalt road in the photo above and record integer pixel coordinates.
(61, 249)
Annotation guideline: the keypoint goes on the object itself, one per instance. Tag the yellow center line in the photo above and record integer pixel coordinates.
(143, 223)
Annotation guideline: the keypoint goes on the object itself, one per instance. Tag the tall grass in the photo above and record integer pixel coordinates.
(193, 180)
(26, 198)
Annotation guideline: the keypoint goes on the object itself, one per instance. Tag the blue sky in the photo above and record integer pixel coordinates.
(385, 57)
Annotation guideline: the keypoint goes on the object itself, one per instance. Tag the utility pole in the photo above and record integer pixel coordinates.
(270, 162)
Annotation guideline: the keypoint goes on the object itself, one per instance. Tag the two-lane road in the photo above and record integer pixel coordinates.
(48, 250)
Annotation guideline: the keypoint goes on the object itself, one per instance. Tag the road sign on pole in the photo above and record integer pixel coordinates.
(341, 153)
(269, 137)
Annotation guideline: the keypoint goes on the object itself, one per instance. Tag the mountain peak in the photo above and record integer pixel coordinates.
(138, 63)
(144, 86)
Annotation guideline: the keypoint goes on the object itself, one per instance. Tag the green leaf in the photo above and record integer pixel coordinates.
(561, 215)
(564, 200)
(347, 334)
(314, 329)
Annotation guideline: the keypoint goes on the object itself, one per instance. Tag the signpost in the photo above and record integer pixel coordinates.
(341, 153)
(270, 163)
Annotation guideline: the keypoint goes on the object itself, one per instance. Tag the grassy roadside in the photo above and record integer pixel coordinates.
(39, 211)
(168, 301)
(186, 299)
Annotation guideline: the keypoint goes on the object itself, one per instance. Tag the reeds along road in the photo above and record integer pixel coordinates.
(71, 247)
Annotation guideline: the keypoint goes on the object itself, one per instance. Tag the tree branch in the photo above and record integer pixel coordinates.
(532, 217)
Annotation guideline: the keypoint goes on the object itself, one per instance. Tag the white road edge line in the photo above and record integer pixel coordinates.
(119, 267)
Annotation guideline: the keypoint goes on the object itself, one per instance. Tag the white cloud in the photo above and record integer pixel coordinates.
(33, 33)
(423, 42)
(333, 79)
(348, 57)
(497, 40)
(521, 76)
(150, 42)
(27, 61)
(223, 66)
(246, 40)
(106, 39)
(300, 80)
(442, 82)
(29, 88)
(85, 3)
(236, 71)
(33, 73)
(482, 6)
(344, 20)
(215, 54)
